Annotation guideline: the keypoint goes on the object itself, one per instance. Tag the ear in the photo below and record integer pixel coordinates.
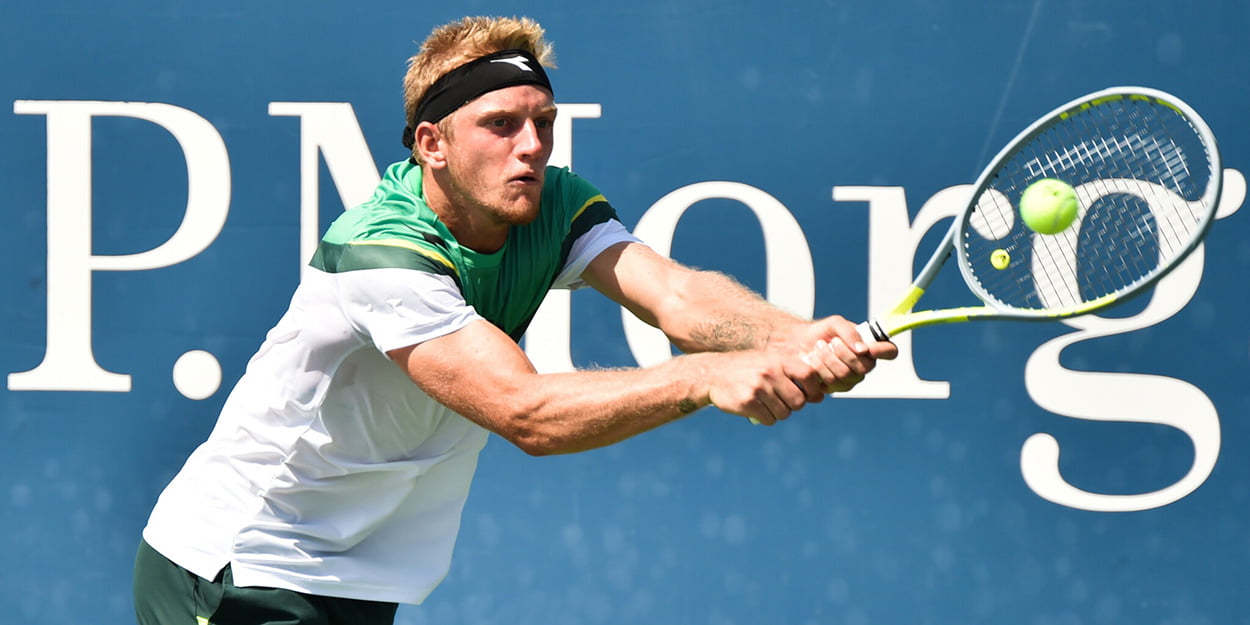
(430, 144)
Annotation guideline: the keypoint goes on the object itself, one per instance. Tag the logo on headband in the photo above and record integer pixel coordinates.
(518, 60)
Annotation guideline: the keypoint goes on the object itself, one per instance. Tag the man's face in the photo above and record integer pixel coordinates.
(497, 153)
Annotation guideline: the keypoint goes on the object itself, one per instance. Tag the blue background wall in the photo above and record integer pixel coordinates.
(857, 511)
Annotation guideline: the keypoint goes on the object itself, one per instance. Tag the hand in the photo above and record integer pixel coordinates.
(833, 357)
(755, 384)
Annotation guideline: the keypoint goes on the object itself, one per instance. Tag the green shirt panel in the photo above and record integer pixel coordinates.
(395, 228)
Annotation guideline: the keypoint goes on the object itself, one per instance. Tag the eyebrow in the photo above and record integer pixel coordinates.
(547, 110)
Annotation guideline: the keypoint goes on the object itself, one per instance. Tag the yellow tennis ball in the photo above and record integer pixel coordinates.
(1048, 206)
(999, 258)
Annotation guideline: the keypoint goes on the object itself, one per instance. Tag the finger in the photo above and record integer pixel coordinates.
(757, 413)
(783, 399)
(859, 363)
(849, 335)
(808, 374)
(827, 367)
(747, 406)
(762, 413)
(847, 367)
(836, 358)
(884, 350)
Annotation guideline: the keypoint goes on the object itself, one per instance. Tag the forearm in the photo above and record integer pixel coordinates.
(570, 412)
(482, 375)
(716, 313)
(699, 311)
(479, 373)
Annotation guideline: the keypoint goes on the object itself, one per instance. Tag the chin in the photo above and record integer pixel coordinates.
(522, 217)
(522, 211)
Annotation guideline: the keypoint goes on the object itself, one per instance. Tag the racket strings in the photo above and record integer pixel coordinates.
(1140, 171)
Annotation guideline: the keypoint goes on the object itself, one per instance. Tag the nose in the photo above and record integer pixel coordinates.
(531, 141)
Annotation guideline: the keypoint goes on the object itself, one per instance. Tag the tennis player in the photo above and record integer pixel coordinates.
(332, 486)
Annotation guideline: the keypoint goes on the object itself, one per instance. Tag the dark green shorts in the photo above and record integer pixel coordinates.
(167, 594)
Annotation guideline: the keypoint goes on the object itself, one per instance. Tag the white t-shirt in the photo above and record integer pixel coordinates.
(329, 471)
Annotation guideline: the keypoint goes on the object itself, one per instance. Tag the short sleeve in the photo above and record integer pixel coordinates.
(400, 307)
(586, 248)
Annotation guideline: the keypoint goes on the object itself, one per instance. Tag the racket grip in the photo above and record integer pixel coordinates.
(871, 332)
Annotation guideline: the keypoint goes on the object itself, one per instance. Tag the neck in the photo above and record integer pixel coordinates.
(472, 226)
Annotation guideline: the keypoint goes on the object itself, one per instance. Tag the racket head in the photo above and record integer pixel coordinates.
(1147, 174)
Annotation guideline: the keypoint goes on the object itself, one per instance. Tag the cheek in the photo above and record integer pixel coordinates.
(471, 163)
(464, 180)
(465, 167)
(470, 176)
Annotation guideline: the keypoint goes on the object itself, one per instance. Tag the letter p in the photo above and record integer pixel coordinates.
(68, 362)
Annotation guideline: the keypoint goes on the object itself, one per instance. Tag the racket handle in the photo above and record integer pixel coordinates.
(871, 332)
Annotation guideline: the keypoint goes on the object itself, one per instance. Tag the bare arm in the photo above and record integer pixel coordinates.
(706, 310)
(761, 363)
(698, 310)
(481, 374)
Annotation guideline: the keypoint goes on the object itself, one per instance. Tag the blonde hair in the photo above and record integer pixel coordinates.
(452, 45)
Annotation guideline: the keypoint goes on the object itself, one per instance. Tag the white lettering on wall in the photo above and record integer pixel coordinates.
(1125, 397)
(330, 131)
(327, 130)
(68, 363)
(893, 241)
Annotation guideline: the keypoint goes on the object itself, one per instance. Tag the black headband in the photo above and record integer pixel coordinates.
(462, 85)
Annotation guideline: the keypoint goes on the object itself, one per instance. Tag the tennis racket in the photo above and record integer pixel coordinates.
(1147, 176)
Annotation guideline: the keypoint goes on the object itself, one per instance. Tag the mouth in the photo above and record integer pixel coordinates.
(528, 179)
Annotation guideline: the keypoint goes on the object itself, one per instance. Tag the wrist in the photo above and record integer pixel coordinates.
(789, 337)
(696, 391)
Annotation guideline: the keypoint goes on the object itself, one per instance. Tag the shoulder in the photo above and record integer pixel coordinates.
(393, 229)
(575, 198)
(429, 256)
